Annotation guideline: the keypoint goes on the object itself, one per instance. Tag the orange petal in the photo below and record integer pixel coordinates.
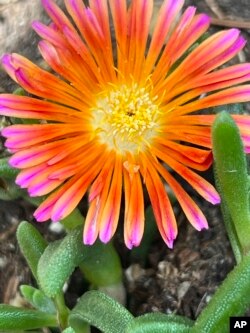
(190, 208)
(161, 205)
(134, 207)
(97, 197)
(205, 189)
(111, 211)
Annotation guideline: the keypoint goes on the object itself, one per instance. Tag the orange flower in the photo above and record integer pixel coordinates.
(115, 117)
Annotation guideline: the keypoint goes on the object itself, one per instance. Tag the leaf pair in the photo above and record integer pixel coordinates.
(109, 316)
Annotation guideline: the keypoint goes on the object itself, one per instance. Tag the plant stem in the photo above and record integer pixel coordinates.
(62, 310)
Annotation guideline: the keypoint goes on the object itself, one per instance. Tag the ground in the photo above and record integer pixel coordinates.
(179, 281)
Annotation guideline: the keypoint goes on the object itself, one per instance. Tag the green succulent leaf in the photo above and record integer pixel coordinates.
(9, 190)
(59, 261)
(32, 245)
(13, 319)
(38, 299)
(232, 178)
(6, 171)
(159, 322)
(73, 220)
(101, 265)
(69, 330)
(101, 311)
(19, 92)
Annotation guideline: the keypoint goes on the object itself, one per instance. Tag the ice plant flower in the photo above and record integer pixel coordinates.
(120, 115)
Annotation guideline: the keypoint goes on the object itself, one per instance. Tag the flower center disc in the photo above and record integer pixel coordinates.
(125, 118)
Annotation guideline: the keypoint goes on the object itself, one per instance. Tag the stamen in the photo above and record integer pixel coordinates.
(126, 117)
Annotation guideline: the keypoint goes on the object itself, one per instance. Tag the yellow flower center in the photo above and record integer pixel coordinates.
(125, 118)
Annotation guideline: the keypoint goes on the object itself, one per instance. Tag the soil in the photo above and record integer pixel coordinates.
(181, 280)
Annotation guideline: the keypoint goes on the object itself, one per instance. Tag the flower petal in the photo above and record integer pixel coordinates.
(134, 206)
(73, 194)
(165, 20)
(205, 189)
(111, 210)
(186, 33)
(97, 197)
(160, 202)
(190, 208)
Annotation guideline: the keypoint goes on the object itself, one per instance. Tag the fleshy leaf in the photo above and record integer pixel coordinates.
(32, 245)
(9, 190)
(68, 330)
(19, 91)
(159, 322)
(38, 299)
(73, 220)
(13, 319)
(101, 311)
(99, 262)
(101, 265)
(231, 176)
(58, 262)
(6, 171)
(234, 241)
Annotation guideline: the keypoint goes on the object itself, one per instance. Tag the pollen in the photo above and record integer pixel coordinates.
(126, 118)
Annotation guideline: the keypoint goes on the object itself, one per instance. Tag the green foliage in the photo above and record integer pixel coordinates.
(232, 180)
(100, 260)
(69, 330)
(8, 189)
(73, 220)
(38, 299)
(101, 311)
(59, 261)
(61, 258)
(32, 245)
(6, 171)
(159, 322)
(109, 316)
(19, 91)
(13, 318)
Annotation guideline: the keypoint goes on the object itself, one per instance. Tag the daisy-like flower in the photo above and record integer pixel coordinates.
(116, 118)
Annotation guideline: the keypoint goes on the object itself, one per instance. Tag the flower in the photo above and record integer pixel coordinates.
(113, 118)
